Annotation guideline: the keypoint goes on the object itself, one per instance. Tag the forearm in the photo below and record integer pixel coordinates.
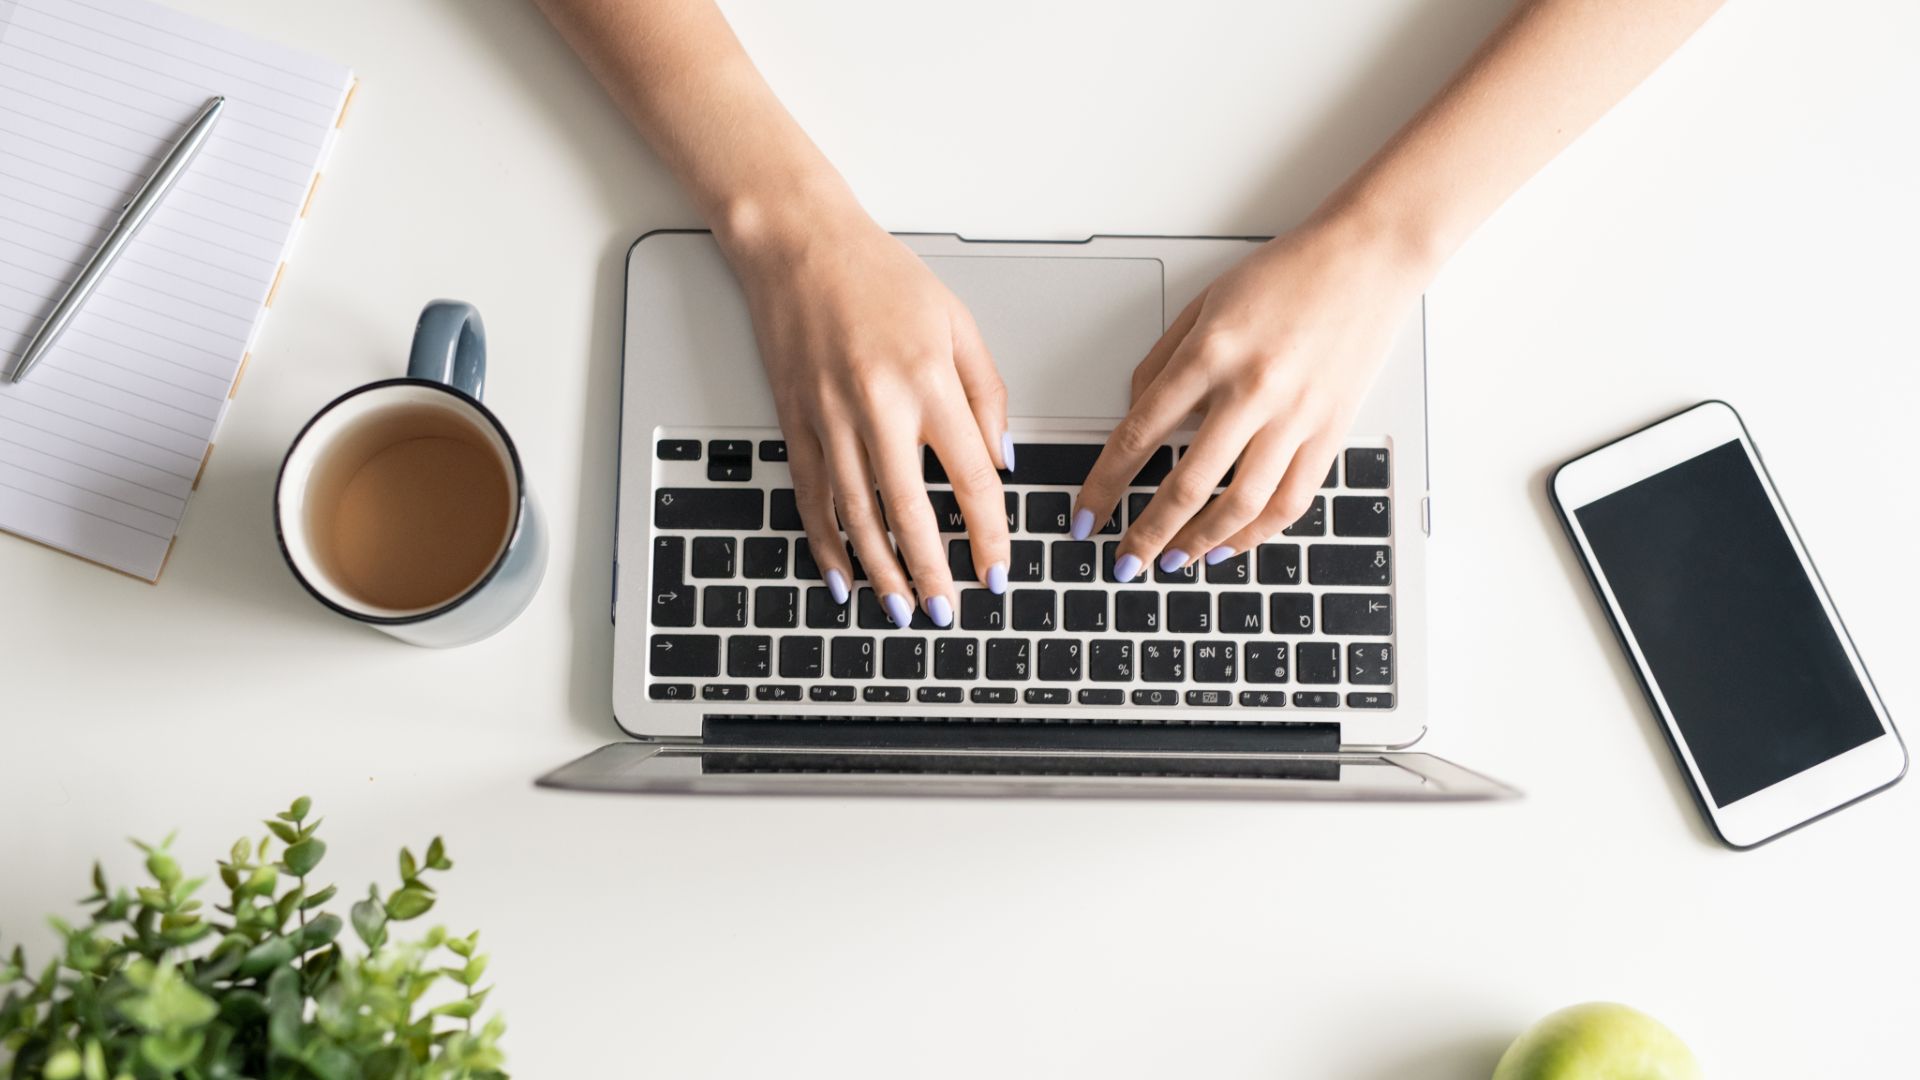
(1550, 70)
(676, 69)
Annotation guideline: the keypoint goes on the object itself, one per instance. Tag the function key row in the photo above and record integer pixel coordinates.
(1033, 695)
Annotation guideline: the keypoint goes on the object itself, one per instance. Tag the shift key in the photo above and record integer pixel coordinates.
(719, 509)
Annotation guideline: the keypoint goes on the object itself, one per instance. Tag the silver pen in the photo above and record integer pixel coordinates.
(132, 216)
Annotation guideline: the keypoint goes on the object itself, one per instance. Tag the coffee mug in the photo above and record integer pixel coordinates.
(402, 504)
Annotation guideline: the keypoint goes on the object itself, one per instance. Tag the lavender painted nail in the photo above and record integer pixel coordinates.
(1219, 555)
(997, 578)
(898, 609)
(940, 611)
(837, 585)
(1127, 567)
(1082, 524)
(1006, 449)
(1172, 559)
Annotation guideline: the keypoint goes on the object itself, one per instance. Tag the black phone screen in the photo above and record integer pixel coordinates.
(1733, 630)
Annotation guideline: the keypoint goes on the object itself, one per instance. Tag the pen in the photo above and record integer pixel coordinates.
(132, 216)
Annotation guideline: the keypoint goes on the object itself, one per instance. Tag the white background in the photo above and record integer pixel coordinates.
(1743, 227)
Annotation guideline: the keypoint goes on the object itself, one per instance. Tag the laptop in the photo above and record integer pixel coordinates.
(1294, 671)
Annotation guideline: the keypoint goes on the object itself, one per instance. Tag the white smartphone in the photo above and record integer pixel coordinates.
(1740, 651)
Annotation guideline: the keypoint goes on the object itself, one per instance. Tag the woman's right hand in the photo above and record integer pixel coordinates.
(870, 358)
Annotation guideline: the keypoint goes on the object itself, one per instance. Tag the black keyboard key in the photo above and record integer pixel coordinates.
(904, 658)
(1110, 660)
(1009, 659)
(830, 693)
(1028, 561)
(956, 658)
(749, 656)
(1235, 570)
(1366, 614)
(993, 695)
(776, 607)
(1263, 699)
(1216, 661)
(1279, 564)
(852, 658)
(1266, 661)
(1186, 575)
(1240, 612)
(822, 612)
(868, 614)
(801, 657)
(677, 449)
(720, 509)
(1136, 506)
(1311, 523)
(1369, 665)
(783, 513)
(1033, 609)
(1163, 661)
(1047, 464)
(763, 557)
(1316, 662)
(1290, 613)
(674, 602)
(1049, 695)
(729, 459)
(1362, 515)
(730, 471)
(1085, 611)
(1013, 511)
(713, 556)
(804, 567)
(1136, 611)
(723, 692)
(1103, 697)
(1190, 613)
(890, 695)
(1060, 659)
(1158, 465)
(982, 610)
(683, 655)
(1373, 700)
(938, 695)
(1049, 512)
(1368, 469)
(1074, 560)
(670, 691)
(776, 693)
(1315, 699)
(723, 606)
(946, 512)
(1156, 697)
(773, 450)
(960, 560)
(1110, 554)
(1349, 564)
(1209, 697)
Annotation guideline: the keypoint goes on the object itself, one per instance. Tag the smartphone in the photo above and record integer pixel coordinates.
(1736, 643)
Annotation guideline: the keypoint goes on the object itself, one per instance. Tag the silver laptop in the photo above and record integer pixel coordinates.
(1297, 670)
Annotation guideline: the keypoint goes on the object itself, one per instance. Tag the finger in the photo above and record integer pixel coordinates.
(976, 487)
(860, 516)
(1255, 477)
(1185, 492)
(986, 392)
(1294, 496)
(1156, 360)
(1160, 410)
(903, 490)
(813, 496)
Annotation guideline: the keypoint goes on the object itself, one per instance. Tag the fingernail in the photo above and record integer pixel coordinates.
(1006, 449)
(1082, 524)
(898, 609)
(940, 611)
(1172, 559)
(837, 585)
(997, 578)
(1219, 555)
(1127, 567)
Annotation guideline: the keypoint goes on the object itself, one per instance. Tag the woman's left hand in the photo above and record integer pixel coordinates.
(1275, 356)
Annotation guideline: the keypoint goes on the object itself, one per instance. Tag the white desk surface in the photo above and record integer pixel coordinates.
(1743, 227)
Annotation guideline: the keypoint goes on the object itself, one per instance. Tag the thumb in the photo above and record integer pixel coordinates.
(986, 393)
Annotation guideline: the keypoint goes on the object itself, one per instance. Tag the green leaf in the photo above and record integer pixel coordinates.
(168, 1001)
(300, 807)
(284, 1004)
(409, 903)
(319, 932)
(173, 1052)
(369, 921)
(303, 856)
(93, 1062)
(63, 1064)
(463, 1009)
(264, 957)
(318, 898)
(475, 968)
(287, 833)
(242, 850)
(284, 907)
(263, 880)
(408, 868)
(99, 879)
(437, 855)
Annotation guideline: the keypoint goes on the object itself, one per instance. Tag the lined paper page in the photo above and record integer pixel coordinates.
(102, 444)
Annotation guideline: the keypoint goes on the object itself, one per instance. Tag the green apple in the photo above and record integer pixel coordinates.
(1598, 1041)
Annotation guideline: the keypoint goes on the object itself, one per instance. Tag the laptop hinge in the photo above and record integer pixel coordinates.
(1014, 733)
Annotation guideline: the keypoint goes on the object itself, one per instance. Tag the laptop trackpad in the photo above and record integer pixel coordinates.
(1065, 331)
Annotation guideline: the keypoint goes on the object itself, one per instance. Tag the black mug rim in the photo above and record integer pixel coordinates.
(513, 533)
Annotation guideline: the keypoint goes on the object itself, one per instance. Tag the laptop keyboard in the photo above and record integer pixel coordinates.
(739, 611)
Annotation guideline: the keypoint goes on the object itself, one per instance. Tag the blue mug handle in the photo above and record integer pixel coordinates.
(450, 347)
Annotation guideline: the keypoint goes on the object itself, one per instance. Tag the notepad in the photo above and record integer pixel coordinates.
(104, 442)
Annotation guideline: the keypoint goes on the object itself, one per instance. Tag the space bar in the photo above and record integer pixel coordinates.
(1055, 464)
